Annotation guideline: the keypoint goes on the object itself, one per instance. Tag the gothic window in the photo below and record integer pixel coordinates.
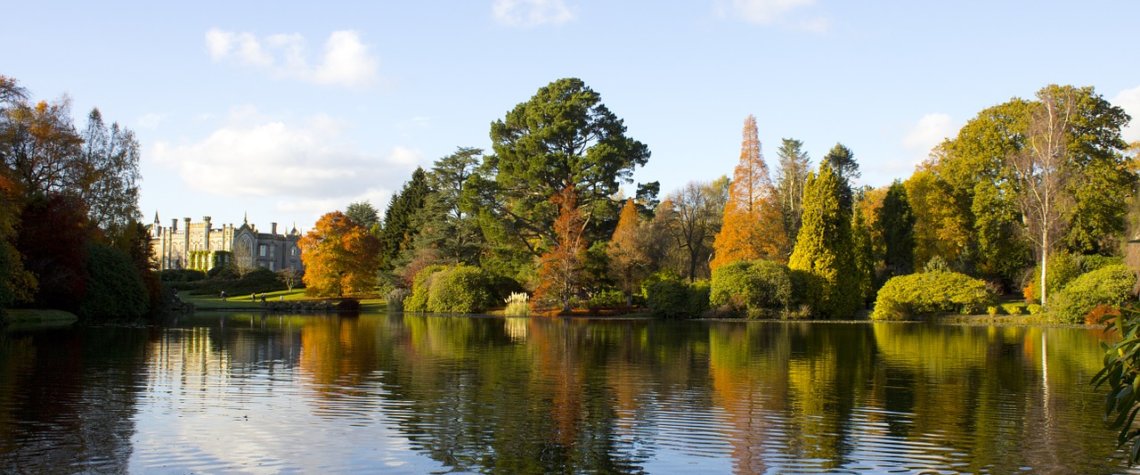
(261, 250)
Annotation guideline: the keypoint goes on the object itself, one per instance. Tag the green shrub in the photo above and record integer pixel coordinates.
(459, 289)
(421, 285)
(1013, 308)
(181, 275)
(258, 281)
(1111, 285)
(1063, 268)
(670, 297)
(755, 288)
(115, 289)
(908, 296)
(992, 310)
(1093, 262)
(1034, 309)
(611, 298)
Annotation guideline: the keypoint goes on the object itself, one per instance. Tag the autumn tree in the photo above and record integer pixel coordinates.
(824, 246)
(564, 136)
(627, 253)
(560, 269)
(795, 166)
(340, 257)
(753, 226)
(16, 284)
(38, 146)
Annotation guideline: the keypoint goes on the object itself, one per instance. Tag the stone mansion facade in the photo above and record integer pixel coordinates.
(201, 246)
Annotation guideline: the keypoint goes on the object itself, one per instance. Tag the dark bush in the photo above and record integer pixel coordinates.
(256, 282)
(609, 298)
(115, 290)
(753, 288)
(348, 306)
(223, 272)
(1111, 285)
(181, 275)
(908, 296)
(670, 297)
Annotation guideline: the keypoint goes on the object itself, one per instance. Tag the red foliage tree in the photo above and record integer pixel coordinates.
(561, 267)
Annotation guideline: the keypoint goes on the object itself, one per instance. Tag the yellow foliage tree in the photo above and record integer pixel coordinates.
(341, 257)
(753, 224)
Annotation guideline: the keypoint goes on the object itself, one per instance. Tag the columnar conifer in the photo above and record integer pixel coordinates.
(824, 247)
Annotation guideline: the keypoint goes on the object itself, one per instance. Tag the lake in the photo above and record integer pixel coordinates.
(416, 394)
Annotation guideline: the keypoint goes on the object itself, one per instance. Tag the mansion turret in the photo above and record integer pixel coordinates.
(201, 246)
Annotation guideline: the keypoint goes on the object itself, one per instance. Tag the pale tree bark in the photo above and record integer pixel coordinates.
(1042, 171)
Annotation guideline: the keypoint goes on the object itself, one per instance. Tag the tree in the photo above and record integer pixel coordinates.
(340, 257)
(842, 163)
(693, 221)
(560, 271)
(824, 246)
(107, 174)
(753, 226)
(1042, 171)
(795, 166)
(626, 251)
(896, 223)
(38, 146)
(448, 228)
(16, 284)
(364, 214)
(53, 238)
(864, 258)
(400, 227)
(290, 277)
(562, 137)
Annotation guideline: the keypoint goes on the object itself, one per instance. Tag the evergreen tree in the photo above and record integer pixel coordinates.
(399, 228)
(824, 247)
(895, 222)
(364, 214)
(843, 164)
(753, 226)
(795, 166)
(862, 248)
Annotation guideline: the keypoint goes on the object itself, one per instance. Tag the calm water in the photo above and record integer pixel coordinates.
(413, 394)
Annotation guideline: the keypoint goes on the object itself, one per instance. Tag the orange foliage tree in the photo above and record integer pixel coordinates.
(341, 257)
(561, 267)
(753, 224)
(628, 258)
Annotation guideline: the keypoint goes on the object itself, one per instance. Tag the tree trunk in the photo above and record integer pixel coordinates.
(1044, 263)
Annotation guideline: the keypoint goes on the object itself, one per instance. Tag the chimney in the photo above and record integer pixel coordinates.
(273, 228)
(173, 225)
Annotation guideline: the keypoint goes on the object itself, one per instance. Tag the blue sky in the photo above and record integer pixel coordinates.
(289, 110)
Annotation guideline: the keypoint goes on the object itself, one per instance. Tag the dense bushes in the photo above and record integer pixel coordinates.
(670, 297)
(753, 288)
(258, 281)
(115, 290)
(450, 289)
(1111, 285)
(908, 296)
(1063, 268)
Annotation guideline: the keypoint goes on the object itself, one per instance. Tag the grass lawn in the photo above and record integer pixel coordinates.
(245, 301)
(35, 318)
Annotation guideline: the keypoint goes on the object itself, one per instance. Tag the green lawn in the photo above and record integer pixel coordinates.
(245, 301)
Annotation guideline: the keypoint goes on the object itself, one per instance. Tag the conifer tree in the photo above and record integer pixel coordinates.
(862, 249)
(753, 226)
(399, 229)
(843, 164)
(824, 247)
(795, 166)
(626, 251)
(896, 224)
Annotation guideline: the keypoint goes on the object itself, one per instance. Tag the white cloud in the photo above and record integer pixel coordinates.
(774, 12)
(345, 60)
(928, 132)
(305, 165)
(1129, 100)
(531, 13)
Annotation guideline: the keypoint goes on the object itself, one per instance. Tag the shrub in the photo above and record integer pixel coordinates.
(115, 289)
(1063, 268)
(1034, 309)
(673, 298)
(1111, 285)
(755, 288)
(1014, 308)
(181, 275)
(992, 310)
(611, 298)
(395, 299)
(421, 284)
(912, 295)
(517, 305)
(459, 289)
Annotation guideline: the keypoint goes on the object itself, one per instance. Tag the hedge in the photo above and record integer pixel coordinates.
(1111, 285)
(907, 296)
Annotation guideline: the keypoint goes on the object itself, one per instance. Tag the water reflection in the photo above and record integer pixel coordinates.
(422, 394)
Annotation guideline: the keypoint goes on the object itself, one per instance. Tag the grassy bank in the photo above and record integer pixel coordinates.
(246, 302)
(38, 318)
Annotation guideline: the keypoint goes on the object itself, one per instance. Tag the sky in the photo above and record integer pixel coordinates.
(283, 111)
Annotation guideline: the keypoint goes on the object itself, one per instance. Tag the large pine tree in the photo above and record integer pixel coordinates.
(824, 248)
(753, 225)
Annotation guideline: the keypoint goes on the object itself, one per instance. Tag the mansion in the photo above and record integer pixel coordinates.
(201, 246)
